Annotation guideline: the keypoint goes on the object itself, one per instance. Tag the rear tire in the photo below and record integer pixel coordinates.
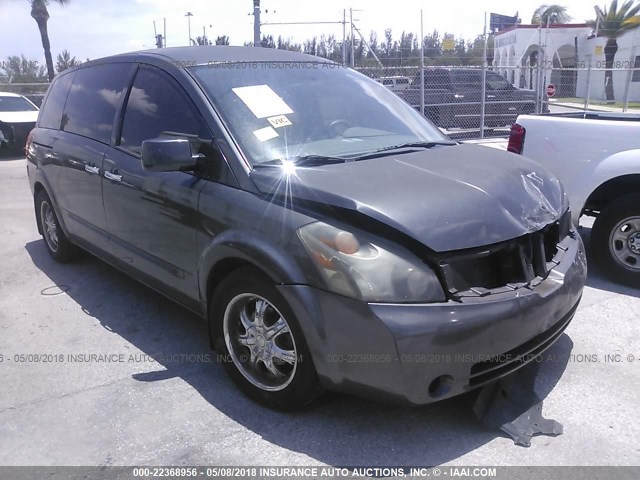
(615, 240)
(260, 341)
(58, 245)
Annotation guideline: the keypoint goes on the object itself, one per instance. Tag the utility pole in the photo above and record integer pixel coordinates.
(256, 24)
(352, 55)
(161, 39)
(344, 36)
(189, 15)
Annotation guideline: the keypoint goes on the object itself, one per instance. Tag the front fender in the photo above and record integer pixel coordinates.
(244, 245)
(279, 265)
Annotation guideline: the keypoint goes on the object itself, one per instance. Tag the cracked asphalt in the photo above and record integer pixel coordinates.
(99, 370)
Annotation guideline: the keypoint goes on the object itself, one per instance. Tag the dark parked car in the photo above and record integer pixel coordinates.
(330, 235)
(17, 118)
(453, 98)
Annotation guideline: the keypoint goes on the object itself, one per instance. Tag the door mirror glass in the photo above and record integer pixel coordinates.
(168, 155)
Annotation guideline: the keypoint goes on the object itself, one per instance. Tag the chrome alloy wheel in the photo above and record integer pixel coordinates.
(49, 226)
(624, 243)
(260, 342)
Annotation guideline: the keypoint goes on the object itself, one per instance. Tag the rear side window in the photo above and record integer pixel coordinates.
(51, 113)
(158, 104)
(93, 100)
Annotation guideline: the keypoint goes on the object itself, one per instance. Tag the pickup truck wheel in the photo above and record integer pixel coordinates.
(56, 242)
(616, 240)
(263, 348)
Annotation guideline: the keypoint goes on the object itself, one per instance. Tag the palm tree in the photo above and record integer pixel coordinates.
(40, 14)
(612, 24)
(65, 61)
(554, 14)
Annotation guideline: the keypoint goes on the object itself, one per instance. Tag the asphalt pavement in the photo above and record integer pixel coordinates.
(81, 384)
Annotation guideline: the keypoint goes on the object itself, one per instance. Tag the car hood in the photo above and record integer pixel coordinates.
(447, 198)
(18, 117)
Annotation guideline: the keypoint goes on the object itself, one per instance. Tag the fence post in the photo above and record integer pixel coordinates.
(587, 98)
(484, 79)
(421, 64)
(632, 59)
(539, 61)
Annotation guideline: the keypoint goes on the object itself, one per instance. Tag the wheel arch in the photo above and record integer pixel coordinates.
(230, 251)
(37, 188)
(611, 190)
(40, 186)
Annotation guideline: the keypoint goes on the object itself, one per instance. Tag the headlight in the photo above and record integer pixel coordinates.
(359, 268)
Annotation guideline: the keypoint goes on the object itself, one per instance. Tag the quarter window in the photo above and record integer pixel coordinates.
(157, 105)
(93, 100)
(51, 114)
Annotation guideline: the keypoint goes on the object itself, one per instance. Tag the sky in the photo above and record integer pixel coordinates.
(97, 28)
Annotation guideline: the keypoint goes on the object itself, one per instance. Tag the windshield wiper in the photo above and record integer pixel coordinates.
(303, 161)
(403, 146)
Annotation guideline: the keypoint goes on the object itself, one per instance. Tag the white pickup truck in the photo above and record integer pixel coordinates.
(597, 158)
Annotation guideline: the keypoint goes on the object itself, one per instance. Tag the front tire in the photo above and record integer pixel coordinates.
(615, 240)
(58, 245)
(261, 342)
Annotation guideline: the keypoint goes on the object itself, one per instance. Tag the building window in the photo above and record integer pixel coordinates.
(636, 72)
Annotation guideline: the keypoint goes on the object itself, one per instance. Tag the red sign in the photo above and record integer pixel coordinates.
(551, 90)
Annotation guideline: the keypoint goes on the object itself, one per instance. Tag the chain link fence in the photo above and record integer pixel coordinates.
(477, 102)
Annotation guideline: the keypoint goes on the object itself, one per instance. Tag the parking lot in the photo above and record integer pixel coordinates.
(80, 384)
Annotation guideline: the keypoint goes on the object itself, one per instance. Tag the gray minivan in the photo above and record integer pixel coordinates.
(330, 235)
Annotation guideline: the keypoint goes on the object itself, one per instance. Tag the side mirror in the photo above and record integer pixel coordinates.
(168, 155)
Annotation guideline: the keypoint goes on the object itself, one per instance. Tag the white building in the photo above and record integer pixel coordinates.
(567, 51)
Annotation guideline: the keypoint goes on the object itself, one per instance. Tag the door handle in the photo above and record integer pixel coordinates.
(113, 176)
(491, 96)
(92, 169)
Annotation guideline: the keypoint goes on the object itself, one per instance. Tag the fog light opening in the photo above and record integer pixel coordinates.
(440, 386)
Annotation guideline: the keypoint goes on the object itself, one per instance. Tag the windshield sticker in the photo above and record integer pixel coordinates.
(265, 134)
(279, 121)
(262, 101)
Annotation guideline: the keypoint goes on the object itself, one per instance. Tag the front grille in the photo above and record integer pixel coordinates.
(486, 371)
(507, 266)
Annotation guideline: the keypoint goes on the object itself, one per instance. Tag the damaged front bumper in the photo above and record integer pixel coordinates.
(420, 353)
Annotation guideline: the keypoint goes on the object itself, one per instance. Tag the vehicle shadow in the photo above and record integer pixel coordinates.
(338, 430)
(596, 278)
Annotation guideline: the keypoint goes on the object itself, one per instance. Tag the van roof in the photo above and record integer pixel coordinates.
(202, 55)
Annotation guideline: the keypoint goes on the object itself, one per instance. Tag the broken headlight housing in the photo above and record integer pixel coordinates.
(361, 267)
